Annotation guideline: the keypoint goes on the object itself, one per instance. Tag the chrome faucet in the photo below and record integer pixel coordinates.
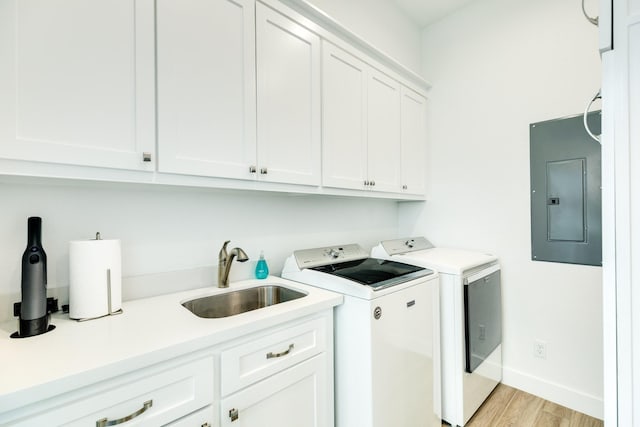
(224, 263)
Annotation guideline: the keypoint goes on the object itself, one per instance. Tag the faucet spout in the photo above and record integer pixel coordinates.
(224, 263)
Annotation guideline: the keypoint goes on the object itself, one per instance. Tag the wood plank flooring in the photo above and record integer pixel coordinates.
(510, 407)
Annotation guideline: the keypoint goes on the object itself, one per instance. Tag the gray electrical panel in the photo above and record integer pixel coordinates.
(566, 196)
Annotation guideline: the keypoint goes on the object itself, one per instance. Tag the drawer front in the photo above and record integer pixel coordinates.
(202, 418)
(267, 354)
(151, 401)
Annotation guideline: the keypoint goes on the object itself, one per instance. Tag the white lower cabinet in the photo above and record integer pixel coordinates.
(292, 398)
(283, 377)
(280, 376)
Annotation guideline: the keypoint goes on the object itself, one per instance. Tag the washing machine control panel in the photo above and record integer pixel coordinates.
(308, 258)
(409, 244)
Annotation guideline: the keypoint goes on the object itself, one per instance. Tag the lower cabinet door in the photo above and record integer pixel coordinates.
(296, 397)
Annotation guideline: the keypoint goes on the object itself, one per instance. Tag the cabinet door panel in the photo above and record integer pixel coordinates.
(206, 87)
(383, 124)
(78, 82)
(344, 127)
(288, 67)
(296, 397)
(414, 141)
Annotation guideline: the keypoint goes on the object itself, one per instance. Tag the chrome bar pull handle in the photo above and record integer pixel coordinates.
(104, 422)
(272, 355)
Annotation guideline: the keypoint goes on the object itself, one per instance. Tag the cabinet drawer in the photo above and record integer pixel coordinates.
(173, 393)
(268, 354)
(201, 418)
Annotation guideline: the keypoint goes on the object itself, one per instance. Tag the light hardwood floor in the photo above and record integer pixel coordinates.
(508, 406)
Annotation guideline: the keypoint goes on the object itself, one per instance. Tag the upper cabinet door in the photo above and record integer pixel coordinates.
(77, 80)
(288, 88)
(206, 87)
(414, 141)
(344, 119)
(383, 124)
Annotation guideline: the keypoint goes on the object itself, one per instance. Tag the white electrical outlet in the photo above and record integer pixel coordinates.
(540, 349)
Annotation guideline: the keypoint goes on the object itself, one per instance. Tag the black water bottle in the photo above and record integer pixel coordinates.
(33, 309)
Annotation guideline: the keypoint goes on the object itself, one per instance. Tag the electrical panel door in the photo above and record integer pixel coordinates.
(566, 199)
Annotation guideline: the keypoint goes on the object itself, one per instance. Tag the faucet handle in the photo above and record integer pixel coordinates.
(223, 251)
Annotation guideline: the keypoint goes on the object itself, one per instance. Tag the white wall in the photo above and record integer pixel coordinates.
(381, 23)
(165, 229)
(497, 66)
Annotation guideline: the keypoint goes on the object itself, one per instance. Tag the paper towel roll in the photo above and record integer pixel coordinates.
(89, 263)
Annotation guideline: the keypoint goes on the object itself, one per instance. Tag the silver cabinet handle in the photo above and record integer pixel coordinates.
(104, 422)
(146, 156)
(373, 183)
(366, 182)
(263, 171)
(252, 169)
(272, 355)
(404, 187)
(233, 414)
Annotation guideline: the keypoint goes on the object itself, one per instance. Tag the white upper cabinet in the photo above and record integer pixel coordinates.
(344, 119)
(414, 139)
(206, 87)
(383, 132)
(253, 93)
(288, 99)
(77, 79)
(361, 124)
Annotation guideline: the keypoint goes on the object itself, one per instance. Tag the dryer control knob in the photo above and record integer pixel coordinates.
(333, 253)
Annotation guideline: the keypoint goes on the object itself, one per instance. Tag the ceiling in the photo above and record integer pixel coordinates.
(425, 12)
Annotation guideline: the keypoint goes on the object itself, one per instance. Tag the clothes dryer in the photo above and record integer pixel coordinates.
(470, 320)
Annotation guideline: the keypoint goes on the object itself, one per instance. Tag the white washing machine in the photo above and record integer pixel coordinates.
(387, 351)
(470, 320)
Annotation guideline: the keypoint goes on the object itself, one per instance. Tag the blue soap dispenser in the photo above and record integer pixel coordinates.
(262, 270)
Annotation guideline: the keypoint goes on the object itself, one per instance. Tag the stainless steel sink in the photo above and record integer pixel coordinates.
(236, 302)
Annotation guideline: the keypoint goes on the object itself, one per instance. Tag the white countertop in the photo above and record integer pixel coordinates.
(148, 331)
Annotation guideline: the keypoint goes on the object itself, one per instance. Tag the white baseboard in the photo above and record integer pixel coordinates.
(557, 393)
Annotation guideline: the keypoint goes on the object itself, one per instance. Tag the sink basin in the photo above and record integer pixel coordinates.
(237, 302)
